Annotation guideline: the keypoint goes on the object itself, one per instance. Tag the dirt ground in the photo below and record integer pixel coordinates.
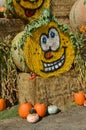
(71, 119)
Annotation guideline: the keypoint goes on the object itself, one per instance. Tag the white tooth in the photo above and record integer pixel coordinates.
(55, 63)
(62, 61)
(45, 65)
(49, 68)
(46, 69)
(56, 66)
(62, 57)
(52, 67)
(49, 64)
(60, 64)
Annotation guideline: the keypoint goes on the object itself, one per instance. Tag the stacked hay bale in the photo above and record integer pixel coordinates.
(54, 90)
(61, 9)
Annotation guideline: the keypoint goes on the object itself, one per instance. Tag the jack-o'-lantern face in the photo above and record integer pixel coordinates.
(49, 52)
(30, 9)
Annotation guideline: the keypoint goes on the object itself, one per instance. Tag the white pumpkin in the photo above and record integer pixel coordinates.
(33, 118)
(52, 109)
(85, 103)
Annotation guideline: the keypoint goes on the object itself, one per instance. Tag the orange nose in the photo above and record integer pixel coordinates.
(48, 55)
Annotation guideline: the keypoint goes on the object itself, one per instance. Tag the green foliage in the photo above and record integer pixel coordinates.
(9, 113)
(84, 2)
(79, 40)
(64, 28)
(4, 53)
(9, 7)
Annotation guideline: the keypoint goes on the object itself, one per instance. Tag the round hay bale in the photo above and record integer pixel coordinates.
(27, 10)
(17, 52)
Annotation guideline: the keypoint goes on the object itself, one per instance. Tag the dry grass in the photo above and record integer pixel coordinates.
(8, 75)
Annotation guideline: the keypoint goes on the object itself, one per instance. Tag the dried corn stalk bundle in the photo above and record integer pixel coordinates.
(8, 75)
(79, 41)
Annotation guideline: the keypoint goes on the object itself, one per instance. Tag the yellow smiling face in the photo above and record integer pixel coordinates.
(49, 52)
(30, 9)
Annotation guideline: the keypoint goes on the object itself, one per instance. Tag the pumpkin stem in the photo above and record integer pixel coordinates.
(26, 100)
(41, 101)
(32, 111)
(75, 90)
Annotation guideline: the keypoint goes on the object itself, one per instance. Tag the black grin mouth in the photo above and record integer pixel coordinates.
(55, 65)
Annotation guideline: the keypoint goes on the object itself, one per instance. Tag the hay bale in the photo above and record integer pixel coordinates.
(10, 27)
(26, 88)
(61, 9)
(54, 90)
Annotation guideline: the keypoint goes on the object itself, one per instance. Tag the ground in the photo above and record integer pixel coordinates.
(71, 119)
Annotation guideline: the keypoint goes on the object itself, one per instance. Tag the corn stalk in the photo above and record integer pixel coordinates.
(8, 75)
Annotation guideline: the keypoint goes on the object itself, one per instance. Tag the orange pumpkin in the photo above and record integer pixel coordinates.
(83, 29)
(41, 109)
(78, 14)
(2, 9)
(24, 109)
(79, 98)
(2, 104)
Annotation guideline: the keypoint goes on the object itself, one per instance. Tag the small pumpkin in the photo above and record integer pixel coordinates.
(41, 109)
(32, 76)
(52, 109)
(24, 109)
(2, 9)
(83, 29)
(32, 117)
(2, 104)
(79, 97)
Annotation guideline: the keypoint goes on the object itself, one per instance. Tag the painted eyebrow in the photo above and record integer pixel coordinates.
(17, 1)
(29, 1)
(42, 35)
(52, 28)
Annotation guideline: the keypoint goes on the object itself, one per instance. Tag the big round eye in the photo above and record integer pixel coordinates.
(54, 39)
(43, 39)
(44, 42)
(53, 33)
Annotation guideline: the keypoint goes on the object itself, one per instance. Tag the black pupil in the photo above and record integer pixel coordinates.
(44, 40)
(52, 34)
